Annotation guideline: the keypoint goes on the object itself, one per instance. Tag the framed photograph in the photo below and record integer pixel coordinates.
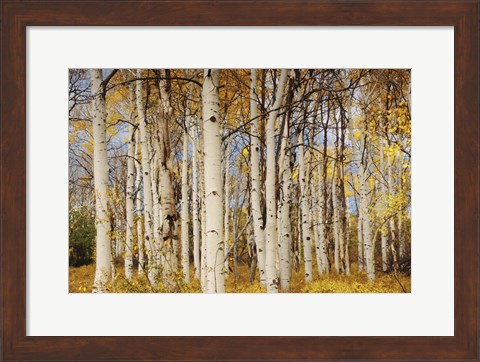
(200, 180)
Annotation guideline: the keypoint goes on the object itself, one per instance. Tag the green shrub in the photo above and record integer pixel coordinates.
(81, 237)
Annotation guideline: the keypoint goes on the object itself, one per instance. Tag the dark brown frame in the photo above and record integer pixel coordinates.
(463, 15)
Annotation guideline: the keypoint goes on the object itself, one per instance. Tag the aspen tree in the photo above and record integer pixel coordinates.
(152, 269)
(213, 183)
(203, 211)
(184, 208)
(100, 173)
(195, 200)
(305, 209)
(226, 217)
(368, 242)
(356, 156)
(322, 240)
(322, 258)
(363, 176)
(383, 193)
(285, 237)
(168, 216)
(154, 150)
(138, 206)
(271, 228)
(255, 193)
(344, 250)
(130, 194)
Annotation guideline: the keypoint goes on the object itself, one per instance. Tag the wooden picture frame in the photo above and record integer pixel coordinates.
(17, 16)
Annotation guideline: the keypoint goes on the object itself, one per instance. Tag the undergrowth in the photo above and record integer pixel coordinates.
(81, 281)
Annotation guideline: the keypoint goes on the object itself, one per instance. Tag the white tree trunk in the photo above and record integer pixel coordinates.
(401, 239)
(363, 175)
(271, 200)
(258, 228)
(368, 244)
(185, 207)
(336, 227)
(213, 182)
(361, 253)
(153, 148)
(392, 226)
(321, 247)
(203, 245)
(130, 195)
(363, 206)
(311, 195)
(341, 220)
(100, 172)
(356, 161)
(147, 183)
(345, 255)
(226, 216)
(339, 203)
(304, 206)
(235, 236)
(383, 205)
(195, 202)
(168, 217)
(203, 214)
(138, 206)
(314, 212)
(285, 230)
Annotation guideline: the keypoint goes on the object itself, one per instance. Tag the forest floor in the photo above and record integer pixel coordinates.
(81, 281)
